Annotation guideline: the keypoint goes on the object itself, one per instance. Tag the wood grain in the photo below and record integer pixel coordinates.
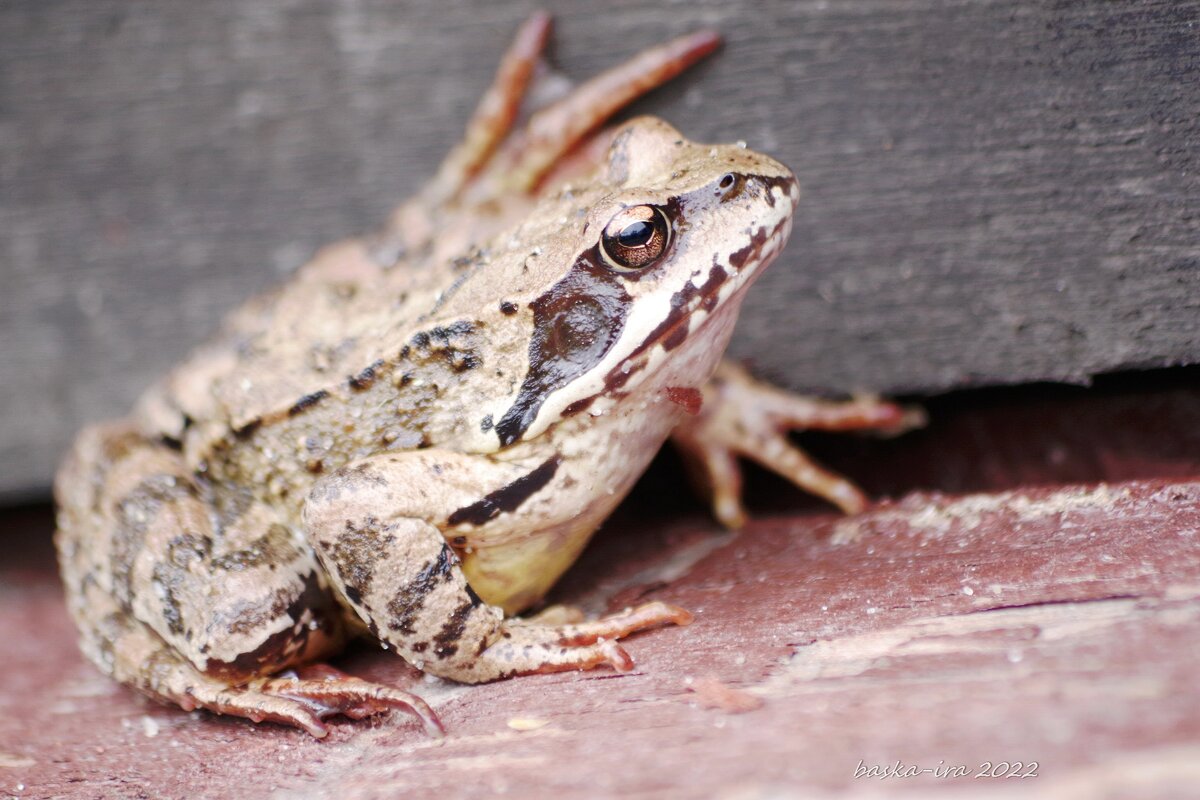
(996, 192)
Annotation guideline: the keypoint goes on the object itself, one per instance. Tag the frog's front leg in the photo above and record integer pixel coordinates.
(742, 417)
(378, 526)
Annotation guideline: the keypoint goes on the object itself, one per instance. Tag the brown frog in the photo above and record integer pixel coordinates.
(415, 436)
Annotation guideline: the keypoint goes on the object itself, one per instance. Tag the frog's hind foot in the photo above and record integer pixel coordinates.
(256, 706)
(501, 151)
(323, 692)
(304, 699)
(528, 646)
(134, 655)
(742, 417)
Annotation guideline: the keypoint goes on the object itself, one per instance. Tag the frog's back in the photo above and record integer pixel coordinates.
(325, 332)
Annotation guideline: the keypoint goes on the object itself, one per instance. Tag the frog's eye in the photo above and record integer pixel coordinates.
(635, 238)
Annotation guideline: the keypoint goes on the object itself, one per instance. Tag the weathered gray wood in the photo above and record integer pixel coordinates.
(996, 191)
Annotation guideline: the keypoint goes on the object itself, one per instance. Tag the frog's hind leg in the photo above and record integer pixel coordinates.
(377, 525)
(136, 656)
(191, 608)
(133, 654)
(511, 153)
(495, 113)
(742, 417)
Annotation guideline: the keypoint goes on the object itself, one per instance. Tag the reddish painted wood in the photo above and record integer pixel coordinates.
(1056, 625)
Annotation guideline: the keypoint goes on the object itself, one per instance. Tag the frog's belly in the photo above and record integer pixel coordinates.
(517, 573)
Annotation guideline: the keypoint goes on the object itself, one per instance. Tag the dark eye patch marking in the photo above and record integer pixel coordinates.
(576, 323)
(507, 498)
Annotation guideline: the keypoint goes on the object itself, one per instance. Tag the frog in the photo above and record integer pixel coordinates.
(415, 436)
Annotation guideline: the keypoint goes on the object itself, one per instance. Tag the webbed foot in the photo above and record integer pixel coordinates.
(326, 692)
(304, 698)
(530, 132)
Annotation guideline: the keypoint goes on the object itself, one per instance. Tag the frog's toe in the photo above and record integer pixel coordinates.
(779, 455)
(622, 624)
(495, 159)
(715, 472)
(253, 705)
(525, 652)
(325, 692)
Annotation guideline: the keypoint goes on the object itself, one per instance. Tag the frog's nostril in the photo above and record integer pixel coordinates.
(730, 186)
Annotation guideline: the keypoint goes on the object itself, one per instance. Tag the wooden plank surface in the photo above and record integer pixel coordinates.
(1053, 627)
(1036, 600)
(996, 192)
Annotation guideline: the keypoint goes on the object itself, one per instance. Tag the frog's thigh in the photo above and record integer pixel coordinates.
(377, 525)
(237, 601)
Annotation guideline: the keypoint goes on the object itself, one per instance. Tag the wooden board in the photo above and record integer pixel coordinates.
(1052, 627)
(996, 192)
(1026, 590)
(1037, 599)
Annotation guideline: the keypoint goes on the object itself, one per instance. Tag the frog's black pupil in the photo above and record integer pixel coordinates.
(635, 234)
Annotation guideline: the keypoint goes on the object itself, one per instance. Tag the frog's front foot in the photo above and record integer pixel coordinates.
(743, 417)
(528, 646)
(372, 523)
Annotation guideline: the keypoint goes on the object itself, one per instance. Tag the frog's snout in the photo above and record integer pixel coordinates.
(781, 186)
(773, 187)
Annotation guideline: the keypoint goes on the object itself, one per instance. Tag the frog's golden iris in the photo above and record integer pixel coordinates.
(635, 238)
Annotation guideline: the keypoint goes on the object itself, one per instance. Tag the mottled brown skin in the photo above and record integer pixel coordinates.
(418, 433)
